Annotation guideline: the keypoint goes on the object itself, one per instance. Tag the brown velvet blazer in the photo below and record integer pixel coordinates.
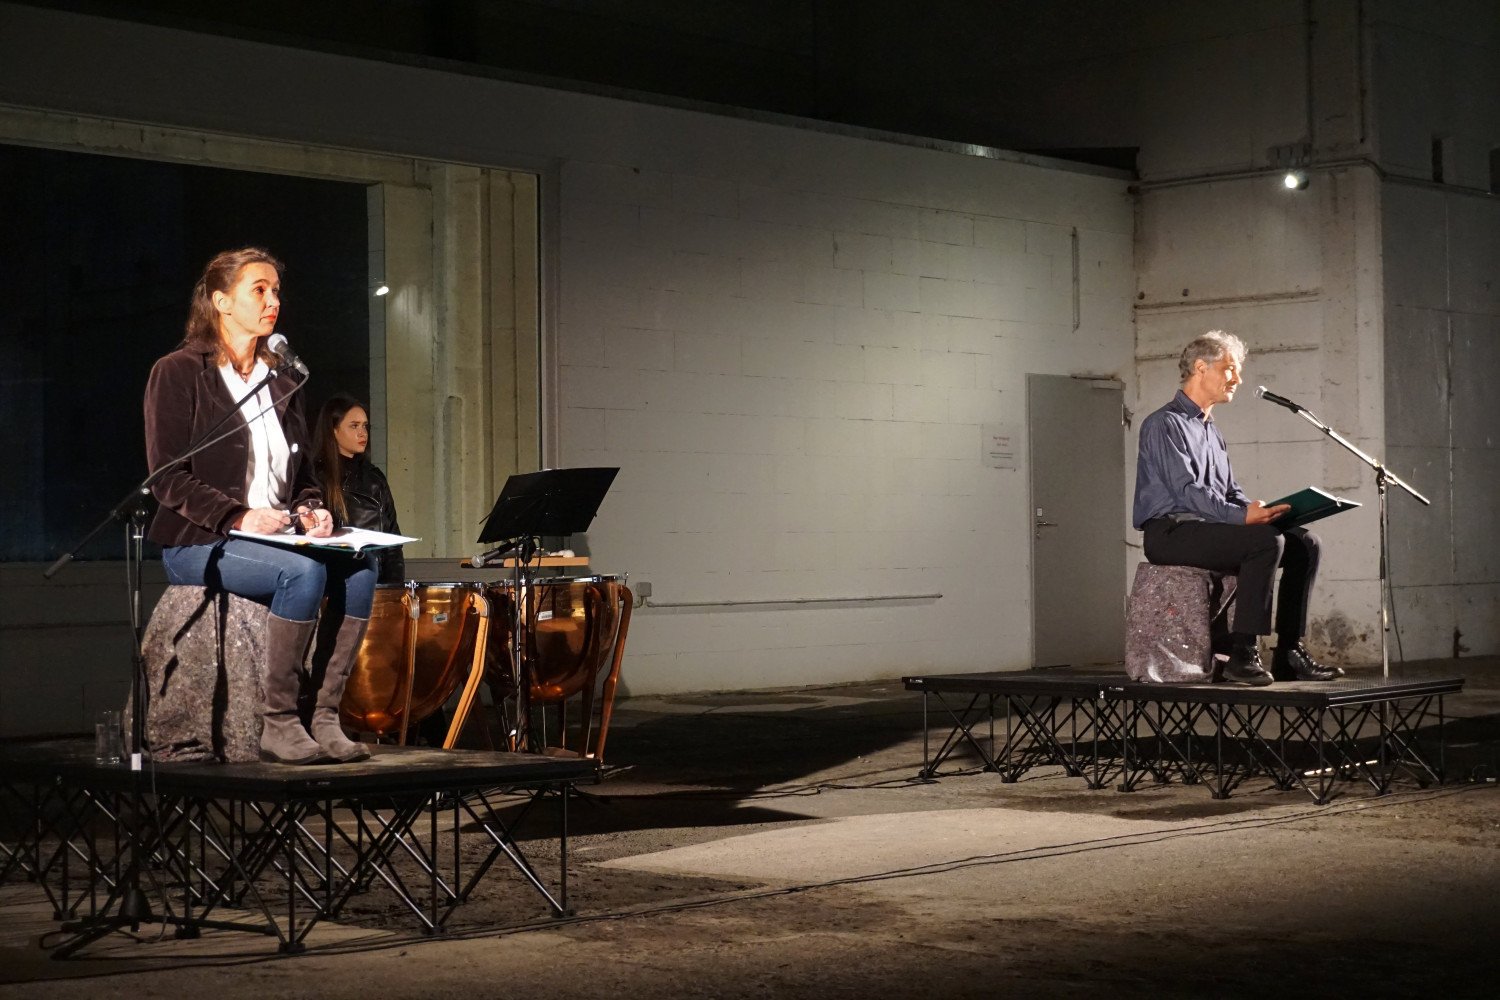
(201, 497)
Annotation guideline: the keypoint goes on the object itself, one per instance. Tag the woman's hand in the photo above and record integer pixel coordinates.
(263, 520)
(316, 523)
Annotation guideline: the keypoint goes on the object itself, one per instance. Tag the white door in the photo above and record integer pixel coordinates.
(1077, 441)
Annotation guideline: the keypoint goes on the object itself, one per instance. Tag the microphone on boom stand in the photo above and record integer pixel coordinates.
(1263, 393)
(493, 556)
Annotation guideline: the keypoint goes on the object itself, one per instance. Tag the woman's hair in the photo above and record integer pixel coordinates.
(220, 275)
(327, 461)
(1209, 348)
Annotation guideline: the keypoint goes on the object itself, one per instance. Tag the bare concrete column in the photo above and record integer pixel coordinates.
(515, 327)
(410, 364)
(460, 353)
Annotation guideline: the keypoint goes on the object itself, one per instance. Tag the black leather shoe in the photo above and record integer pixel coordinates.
(1243, 665)
(1294, 663)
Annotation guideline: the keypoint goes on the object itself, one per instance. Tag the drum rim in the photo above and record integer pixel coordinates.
(543, 580)
(405, 583)
(435, 585)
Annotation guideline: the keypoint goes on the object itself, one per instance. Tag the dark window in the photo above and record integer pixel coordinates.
(100, 255)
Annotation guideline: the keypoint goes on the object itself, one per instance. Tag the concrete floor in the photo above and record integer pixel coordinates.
(755, 845)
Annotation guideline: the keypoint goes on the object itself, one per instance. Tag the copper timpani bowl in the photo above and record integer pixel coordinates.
(571, 627)
(417, 651)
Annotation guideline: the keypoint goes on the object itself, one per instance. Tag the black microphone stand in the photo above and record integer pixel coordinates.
(1384, 477)
(133, 907)
(523, 550)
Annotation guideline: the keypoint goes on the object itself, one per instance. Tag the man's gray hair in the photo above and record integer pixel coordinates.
(1209, 348)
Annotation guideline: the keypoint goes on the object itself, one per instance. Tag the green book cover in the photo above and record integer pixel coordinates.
(1308, 505)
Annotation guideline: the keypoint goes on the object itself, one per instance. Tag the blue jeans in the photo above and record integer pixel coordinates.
(292, 581)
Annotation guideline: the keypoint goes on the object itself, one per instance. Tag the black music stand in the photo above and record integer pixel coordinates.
(550, 502)
(532, 504)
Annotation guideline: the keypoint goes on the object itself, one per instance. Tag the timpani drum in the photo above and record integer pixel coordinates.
(424, 639)
(572, 626)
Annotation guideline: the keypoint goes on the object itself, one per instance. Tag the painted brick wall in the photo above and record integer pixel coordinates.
(793, 382)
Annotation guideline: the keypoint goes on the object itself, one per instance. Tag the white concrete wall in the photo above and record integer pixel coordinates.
(1352, 294)
(791, 368)
(1208, 92)
(1442, 248)
(1295, 273)
(1290, 281)
(787, 339)
(1443, 341)
(1437, 76)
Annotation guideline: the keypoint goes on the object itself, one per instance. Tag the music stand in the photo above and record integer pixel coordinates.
(550, 502)
(532, 504)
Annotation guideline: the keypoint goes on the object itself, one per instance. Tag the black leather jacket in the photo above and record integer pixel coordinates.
(367, 496)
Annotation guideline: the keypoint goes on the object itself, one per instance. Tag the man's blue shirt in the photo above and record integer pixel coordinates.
(1183, 467)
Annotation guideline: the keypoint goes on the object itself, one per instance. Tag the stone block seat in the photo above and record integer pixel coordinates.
(203, 652)
(1176, 617)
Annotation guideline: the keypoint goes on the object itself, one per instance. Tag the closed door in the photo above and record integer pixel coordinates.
(1077, 459)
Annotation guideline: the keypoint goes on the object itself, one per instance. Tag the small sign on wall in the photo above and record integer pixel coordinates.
(998, 450)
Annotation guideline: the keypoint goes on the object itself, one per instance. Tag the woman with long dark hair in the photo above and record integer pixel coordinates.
(256, 479)
(354, 488)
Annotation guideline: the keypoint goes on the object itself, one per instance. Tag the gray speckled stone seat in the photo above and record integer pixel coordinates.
(203, 653)
(1174, 615)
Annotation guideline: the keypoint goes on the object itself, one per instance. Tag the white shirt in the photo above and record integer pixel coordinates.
(265, 474)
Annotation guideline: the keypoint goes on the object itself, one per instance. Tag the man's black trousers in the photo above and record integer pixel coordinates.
(1251, 552)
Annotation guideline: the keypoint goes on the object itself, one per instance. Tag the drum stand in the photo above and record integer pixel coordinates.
(481, 605)
(515, 735)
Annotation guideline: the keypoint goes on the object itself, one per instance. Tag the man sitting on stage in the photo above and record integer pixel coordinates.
(1193, 513)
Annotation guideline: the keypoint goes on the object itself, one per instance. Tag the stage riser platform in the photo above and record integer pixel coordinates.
(270, 849)
(1105, 729)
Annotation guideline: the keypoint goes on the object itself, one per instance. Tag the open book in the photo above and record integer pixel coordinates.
(347, 539)
(1308, 505)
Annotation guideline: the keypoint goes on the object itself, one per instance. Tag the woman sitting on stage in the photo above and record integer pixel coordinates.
(256, 479)
(353, 487)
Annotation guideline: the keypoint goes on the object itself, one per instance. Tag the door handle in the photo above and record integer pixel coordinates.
(1040, 524)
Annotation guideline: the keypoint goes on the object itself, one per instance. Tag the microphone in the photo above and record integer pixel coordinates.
(279, 347)
(483, 559)
(1271, 397)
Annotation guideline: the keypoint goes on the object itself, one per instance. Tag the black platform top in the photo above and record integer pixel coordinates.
(1029, 682)
(1315, 694)
(1312, 694)
(390, 771)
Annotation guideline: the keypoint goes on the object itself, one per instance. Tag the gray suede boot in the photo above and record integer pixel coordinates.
(282, 738)
(325, 726)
